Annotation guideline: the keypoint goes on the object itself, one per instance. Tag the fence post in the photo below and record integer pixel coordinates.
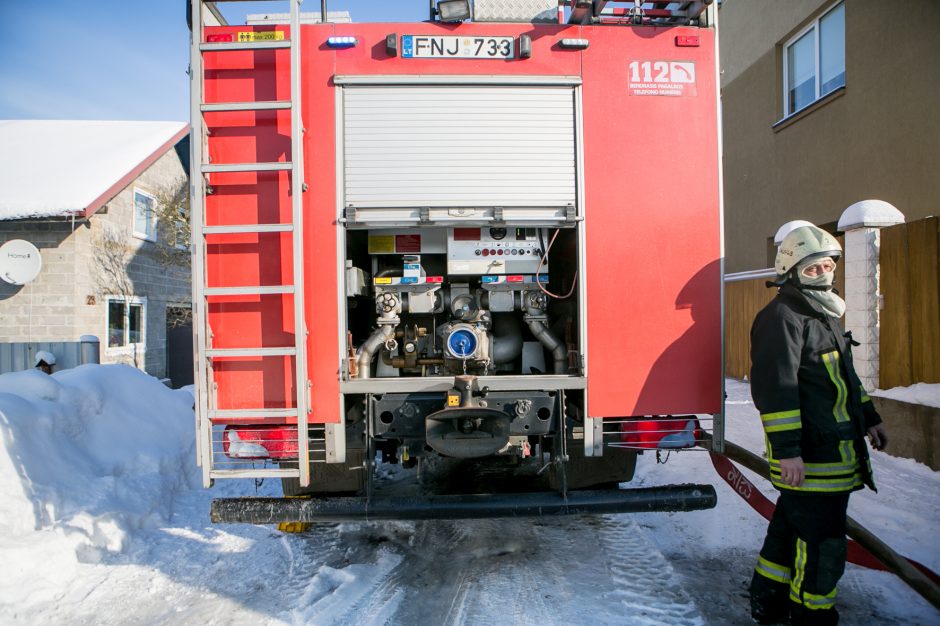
(861, 223)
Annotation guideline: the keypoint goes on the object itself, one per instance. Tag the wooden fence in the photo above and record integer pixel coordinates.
(910, 318)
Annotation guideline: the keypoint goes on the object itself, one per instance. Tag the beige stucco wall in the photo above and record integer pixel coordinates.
(877, 138)
(69, 297)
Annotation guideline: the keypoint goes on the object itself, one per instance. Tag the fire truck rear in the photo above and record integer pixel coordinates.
(483, 251)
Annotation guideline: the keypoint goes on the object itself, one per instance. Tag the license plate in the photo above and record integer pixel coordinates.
(430, 47)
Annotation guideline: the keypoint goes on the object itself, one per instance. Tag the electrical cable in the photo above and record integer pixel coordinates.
(542, 261)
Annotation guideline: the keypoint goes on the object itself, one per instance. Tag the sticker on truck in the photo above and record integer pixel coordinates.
(661, 78)
(438, 47)
(268, 35)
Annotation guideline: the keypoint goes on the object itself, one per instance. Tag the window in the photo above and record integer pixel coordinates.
(145, 216)
(814, 61)
(126, 322)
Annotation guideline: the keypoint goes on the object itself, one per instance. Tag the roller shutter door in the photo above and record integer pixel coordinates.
(459, 146)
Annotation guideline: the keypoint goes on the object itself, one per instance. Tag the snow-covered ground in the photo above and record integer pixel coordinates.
(103, 520)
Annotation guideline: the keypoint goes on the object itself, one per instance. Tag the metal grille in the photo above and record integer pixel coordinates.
(515, 10)
(660, 432)
(249, 442)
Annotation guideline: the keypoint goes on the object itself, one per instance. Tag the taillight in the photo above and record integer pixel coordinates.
(661, 432)
(260, 442)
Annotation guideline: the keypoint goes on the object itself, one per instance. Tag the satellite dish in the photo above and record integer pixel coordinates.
(20, 262)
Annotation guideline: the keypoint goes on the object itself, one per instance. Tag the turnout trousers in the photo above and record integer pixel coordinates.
(801, 561)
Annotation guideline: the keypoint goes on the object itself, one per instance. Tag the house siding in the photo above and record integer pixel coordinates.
(69, 297)
(877, 138)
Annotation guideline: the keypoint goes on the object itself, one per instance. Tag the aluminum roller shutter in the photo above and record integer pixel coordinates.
(459, 146)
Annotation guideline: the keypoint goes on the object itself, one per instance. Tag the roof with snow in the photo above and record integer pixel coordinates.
(53, 168)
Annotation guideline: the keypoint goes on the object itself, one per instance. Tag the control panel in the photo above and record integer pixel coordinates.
(479, 251)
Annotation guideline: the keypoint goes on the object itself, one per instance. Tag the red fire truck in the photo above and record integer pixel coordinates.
(484, 245)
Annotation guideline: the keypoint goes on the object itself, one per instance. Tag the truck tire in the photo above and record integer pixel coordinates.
(329, 478)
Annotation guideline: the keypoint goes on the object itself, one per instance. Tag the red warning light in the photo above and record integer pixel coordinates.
(687, 41)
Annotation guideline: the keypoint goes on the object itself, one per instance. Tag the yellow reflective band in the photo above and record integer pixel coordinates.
(772, 416)
(773, 571)
(821, 469)
(799, 569)
(831, 359)
(847, 452)
(820, 485)
(781, 420)
(814, 601)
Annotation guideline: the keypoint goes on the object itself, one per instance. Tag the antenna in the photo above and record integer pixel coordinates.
(20, 262)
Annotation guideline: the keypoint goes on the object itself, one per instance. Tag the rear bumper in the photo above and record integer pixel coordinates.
(338, 509)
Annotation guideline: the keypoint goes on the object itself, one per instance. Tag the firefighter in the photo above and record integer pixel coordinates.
(815, 415)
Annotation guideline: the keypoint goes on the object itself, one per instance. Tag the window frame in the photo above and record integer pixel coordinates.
(127, 347)
(152, 237)
(817, 78)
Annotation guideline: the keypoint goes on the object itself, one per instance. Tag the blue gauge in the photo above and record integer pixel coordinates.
(462, 343)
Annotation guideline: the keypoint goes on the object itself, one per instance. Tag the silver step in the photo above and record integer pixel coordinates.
(256, 473)
(243, 352)
(246, 106)
(209, 168)
(252, 413)
(244, 45)
(262, 290)
(247, 228)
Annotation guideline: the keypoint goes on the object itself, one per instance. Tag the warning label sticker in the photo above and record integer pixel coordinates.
(661, 78)
(269, 35)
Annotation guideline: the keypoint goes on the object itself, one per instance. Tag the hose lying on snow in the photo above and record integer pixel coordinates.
(917, 576)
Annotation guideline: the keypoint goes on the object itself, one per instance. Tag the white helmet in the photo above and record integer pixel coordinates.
(804, 243)
(44, 357)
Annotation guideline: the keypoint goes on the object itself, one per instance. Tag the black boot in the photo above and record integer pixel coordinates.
(769, 601)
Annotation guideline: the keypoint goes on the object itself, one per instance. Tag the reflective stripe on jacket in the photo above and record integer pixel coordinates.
(811, 401)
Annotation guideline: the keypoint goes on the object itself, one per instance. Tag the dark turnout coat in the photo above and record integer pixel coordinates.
(811, 402)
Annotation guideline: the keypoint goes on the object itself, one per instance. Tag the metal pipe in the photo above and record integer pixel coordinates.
(507, 338)
(323, 11)
(750, 275)
(334, 509)
(376, 340)
(552, 344)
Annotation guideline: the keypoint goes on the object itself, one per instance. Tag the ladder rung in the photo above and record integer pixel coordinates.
(252, 473)
(246, 106)
(241, 352)
(243, 45)
(253, 415)
(247, 228)
(261, 290)
(208, 168)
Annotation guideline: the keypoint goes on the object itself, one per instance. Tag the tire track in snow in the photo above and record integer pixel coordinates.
(645, 583)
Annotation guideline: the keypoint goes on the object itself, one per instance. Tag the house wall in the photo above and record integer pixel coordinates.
(82, 265)
(876, 138)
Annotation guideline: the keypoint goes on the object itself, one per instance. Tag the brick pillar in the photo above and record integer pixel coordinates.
(861, 223)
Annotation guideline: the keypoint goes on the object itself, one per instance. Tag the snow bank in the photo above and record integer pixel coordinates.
(926, 394)
(88, 457)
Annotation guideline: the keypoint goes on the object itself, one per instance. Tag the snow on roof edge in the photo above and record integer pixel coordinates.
(84, 163)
